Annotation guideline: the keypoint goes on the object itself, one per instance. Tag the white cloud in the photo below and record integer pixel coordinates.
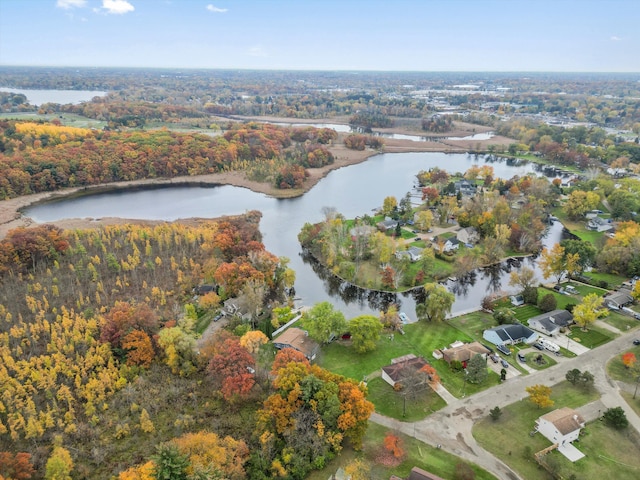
(117, 7)
(214, 9)
(67, 4)
(615, 38)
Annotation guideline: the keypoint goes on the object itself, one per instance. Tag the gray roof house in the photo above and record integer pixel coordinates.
(550, 323)
(413, 253)
(465, 187)
(618, 299)
(387, 224)
(509, 334)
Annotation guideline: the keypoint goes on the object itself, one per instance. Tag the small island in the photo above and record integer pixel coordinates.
(447, 227)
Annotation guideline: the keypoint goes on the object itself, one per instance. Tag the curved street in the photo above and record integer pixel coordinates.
(451, 427)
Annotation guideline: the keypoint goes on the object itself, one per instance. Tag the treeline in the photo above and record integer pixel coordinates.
(38, 157)
(580, 146)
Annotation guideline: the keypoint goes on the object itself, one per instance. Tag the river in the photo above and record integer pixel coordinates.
(353, 191)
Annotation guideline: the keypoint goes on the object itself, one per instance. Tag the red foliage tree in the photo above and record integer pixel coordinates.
(16, 467)
(233, 367)
(286, 356)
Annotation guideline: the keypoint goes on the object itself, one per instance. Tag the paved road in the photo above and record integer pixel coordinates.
(451, 427)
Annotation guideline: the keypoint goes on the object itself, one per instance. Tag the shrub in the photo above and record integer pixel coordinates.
(530, 295)
(548, 303)
(616, 418)
(569, 307)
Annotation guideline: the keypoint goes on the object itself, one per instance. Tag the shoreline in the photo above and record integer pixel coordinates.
(11, 216)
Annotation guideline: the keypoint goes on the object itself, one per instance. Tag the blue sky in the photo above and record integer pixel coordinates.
(419, 35)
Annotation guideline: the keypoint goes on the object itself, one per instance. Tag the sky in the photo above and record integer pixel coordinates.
(405, 35)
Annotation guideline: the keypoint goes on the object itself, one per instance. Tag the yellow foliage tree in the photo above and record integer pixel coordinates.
(253, 340)
(540, 395)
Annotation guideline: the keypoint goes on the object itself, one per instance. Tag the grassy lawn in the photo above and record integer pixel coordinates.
(532, 362)
(525, 312)
(587, 289)
(421, 339)
(611, 279)
(392, 404)
(594, 337)
(418, 454)
(621, 322)
(617, 370)
(508, 437)
(473, 324)
(633, 402)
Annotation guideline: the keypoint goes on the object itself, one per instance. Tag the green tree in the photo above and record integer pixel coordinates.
(616, 418)
(548, 302)
(495, 413)
(504, 316)
(477, 369)
(365, 332)
(573, 376)
(323, 320)
(437, 304)
(59, 465)
(170, 464)
(585, 250)
(589, 310)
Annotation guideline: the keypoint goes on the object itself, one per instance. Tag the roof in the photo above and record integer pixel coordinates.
(401, 368)
(621, 297)
(565, 419)
(419, 474)
(465, 352)
(553, 319)
(511, 332)
(297, 339)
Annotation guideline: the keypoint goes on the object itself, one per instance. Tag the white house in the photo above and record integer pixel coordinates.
(599, 225)
(510, 334)
(468, 235)
(449, 245)
(561, 427)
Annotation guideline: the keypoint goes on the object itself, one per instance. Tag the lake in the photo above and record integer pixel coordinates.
(353, 191)
(63, 97)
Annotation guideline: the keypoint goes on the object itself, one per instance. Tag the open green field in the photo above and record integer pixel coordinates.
(390, 403)
(525, 312)
(609, 453)
(418, 454)
(621, 322)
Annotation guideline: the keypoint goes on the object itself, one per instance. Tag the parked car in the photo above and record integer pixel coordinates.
(538, 346)
(218, 317)
(636, 341)
(494, 357)
(521, 357)
(571, 289)
(504, 363)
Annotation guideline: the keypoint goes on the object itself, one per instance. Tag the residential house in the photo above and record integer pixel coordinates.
(449, 245)
(550, 323)
(562, 426)
(402, 367)
(463, 352)
(387, 224)
(465, 188)
(468, 235)
(418, 474)
(297, 339)
(618, 299)
(599, 225)
(412, 253)
(510, 334)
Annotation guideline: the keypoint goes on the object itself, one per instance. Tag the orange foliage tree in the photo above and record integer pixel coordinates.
(394, 445)
(233, 368)
(209, 452)
(139, 348)
(16, 466)
(629, 359)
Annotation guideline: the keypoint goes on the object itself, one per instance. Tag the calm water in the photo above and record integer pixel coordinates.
(353, 191)
(63, 97)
